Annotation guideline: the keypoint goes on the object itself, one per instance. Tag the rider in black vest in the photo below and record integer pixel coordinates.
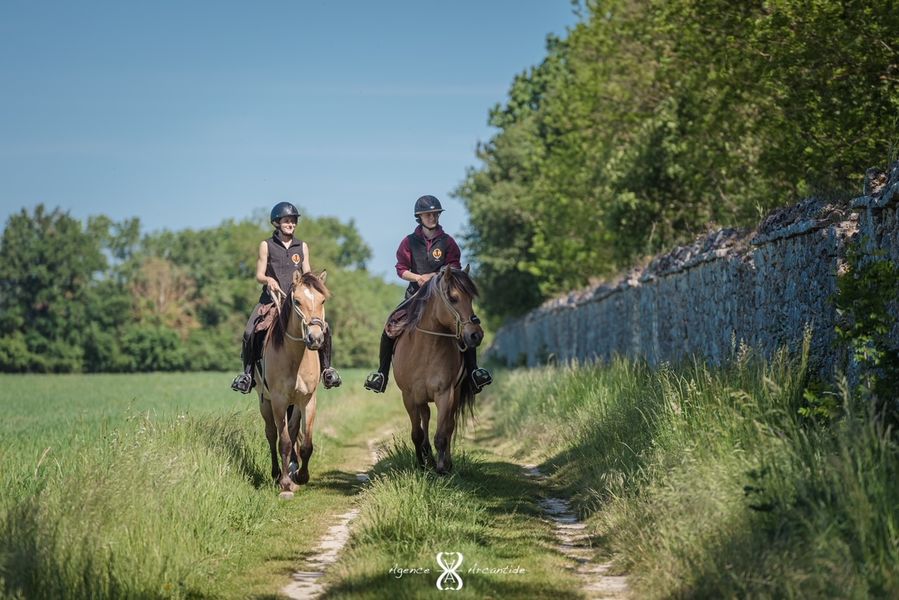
(420, 256)
(280, 257)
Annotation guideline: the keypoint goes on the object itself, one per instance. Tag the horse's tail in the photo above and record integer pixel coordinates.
(465, 406)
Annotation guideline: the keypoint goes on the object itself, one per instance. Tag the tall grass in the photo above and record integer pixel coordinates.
(151, 509)
(159, 486)
(708, 482)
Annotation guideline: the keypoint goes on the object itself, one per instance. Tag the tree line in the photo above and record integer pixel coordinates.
(652, 119)
(99, 296)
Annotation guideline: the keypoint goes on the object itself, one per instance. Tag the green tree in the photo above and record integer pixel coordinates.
(48, 262)
(652, 118)
(154, 348)
(357, 311)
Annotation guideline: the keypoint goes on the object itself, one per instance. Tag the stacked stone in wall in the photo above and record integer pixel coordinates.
(761, 288)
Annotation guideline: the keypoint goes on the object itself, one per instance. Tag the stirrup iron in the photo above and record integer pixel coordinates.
(331, 378)
(243, 383)
(376, 382)
(480, 378)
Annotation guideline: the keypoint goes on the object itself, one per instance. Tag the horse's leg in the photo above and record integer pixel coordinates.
(302, 476)
(444, 437)
(271, 433)
(418, 435)
(426, 451)
(294, 420)
(279, 411)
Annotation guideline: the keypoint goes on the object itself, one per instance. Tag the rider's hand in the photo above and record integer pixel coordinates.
(423, 279)
(274, 289)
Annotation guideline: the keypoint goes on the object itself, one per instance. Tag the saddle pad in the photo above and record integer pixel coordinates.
(396, 322)
(266, 318)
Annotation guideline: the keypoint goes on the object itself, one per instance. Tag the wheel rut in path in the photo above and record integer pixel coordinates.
(574, 542)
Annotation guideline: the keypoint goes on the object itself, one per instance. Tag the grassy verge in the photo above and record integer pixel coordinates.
(708, 483)
(158, 486)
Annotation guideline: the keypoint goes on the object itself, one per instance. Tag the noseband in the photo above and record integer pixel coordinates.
(460, 324)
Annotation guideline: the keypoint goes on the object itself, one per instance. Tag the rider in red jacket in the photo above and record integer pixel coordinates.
(420, 256)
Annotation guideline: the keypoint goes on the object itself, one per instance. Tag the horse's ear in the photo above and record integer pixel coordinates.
(323, 276)
(467, 269)
(297, 276)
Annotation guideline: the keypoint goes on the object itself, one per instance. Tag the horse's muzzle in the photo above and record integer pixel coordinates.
(473, 337)
(314, 342)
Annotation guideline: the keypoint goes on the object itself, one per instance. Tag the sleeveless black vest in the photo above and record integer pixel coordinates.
(426, 261)
(282, 264)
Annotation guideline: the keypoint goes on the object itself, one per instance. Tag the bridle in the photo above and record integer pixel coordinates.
(304, 322)
(460, 323)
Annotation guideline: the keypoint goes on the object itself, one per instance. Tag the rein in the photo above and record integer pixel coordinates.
(460, 324)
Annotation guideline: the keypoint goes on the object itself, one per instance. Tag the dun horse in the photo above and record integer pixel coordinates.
(428, 364)
(289, 376)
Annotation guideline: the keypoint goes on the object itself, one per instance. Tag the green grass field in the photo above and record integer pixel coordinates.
(124, 486)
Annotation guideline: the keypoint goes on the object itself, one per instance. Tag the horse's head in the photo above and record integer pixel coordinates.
(455, 312)
(307, 298)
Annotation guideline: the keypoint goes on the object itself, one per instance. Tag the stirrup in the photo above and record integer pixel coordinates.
(243, 383)
(331, 378)
(376, 382)
(480, 378)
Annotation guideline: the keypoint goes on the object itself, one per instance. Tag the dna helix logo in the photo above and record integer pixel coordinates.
(450, 578)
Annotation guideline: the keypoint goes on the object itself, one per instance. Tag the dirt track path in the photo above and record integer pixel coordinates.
(305, 584)
(572, 538)
(571, 534)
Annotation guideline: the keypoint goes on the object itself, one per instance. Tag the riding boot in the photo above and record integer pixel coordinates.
(377, 381)
(243, 383)
(330, 376)
(479, 377)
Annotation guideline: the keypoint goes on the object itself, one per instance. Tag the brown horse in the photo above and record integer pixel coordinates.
(289, 376)
(428, 364)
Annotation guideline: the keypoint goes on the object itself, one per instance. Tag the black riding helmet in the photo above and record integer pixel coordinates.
(284, 209)
(427, 204)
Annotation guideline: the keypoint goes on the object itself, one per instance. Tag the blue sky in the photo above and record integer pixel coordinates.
(188, 113)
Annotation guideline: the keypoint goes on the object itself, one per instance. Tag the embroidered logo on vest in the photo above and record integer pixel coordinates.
(296, 259)
(436, 253)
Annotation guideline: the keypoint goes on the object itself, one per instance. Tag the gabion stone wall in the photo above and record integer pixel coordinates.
(760, 288)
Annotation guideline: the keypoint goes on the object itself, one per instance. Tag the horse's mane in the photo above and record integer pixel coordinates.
(457, 279)
(462, 282)
(317, 284)
(308, 279)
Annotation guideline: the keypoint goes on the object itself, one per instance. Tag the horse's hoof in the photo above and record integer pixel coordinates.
(286, 495)
(300, 477)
